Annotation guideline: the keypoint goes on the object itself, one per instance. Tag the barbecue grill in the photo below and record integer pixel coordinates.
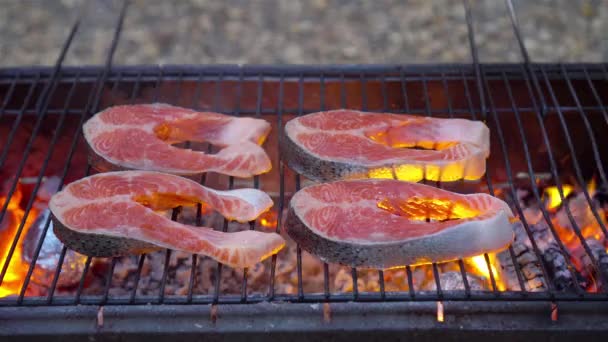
(546, 123)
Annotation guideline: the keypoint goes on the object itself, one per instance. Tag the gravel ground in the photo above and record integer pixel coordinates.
(315, 31)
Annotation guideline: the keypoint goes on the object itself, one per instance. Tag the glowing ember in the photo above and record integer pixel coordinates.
(424, 209)
(268, 219)
(440, 317)
(553, 198)
(481, 266)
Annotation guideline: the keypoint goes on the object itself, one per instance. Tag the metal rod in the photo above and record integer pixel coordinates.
(49, 297)
(108, 283)
(273, 262)
(77, 297)
(492, 280)
(140, 266)
(316, 298)
(526, 56)
(599, 101)
(410, 281)
(199, 207)
(218, 274)
(163, 281)
(465, 280)
(437, 281)
(520, 278)
(406, 105)
(325, 265)
(9, 94)
(142, 257)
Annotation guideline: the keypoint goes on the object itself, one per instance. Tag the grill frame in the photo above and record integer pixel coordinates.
(276, 321)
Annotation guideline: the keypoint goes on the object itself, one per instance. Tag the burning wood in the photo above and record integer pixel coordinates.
(587, 268)
(575, 212)
(13, 280)
(584, 218)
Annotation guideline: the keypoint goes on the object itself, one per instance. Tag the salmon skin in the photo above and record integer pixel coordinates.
(114, 213)
(140, 137)
(348, 144)
(389, 223)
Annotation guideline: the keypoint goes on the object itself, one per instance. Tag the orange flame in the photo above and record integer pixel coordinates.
(591, 187)
(268, 219)
(17, 269)
(481, 266)
(435, 209)
(553, 198)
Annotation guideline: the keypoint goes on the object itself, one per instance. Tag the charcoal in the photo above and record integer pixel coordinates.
(452, 281)
(558, 268)
(525, 258)
(587, 267)
(599, 253)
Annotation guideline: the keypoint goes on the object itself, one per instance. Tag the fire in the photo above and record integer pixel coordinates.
(553, 198)
(17, 269)
(381, 173)
(422, 209)
(480, 265)
(268, 219)
(416, 173)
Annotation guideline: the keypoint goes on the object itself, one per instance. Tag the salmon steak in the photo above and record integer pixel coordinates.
(141, 137)
(116, 213)
(381, 223)
(348, 144)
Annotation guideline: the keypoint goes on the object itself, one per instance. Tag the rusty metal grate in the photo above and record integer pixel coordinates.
(561, 107)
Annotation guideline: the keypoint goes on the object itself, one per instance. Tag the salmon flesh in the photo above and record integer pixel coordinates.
(141, 137)
(389, 223)
(348, 144)
(116, 213)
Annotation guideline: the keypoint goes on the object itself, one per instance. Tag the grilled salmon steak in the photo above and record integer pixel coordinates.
(141, 137)
(347, 144)
(114, 213)
(389, 223)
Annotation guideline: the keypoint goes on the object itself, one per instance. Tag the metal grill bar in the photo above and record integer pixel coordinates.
(271, 112)
(298, 186)
(199, 208)
(9, 94)
(281, 185)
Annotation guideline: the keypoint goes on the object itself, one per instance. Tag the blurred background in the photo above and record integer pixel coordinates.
(311, 32)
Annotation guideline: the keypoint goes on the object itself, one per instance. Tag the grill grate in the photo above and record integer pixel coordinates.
(556, 98)
(377, 92)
